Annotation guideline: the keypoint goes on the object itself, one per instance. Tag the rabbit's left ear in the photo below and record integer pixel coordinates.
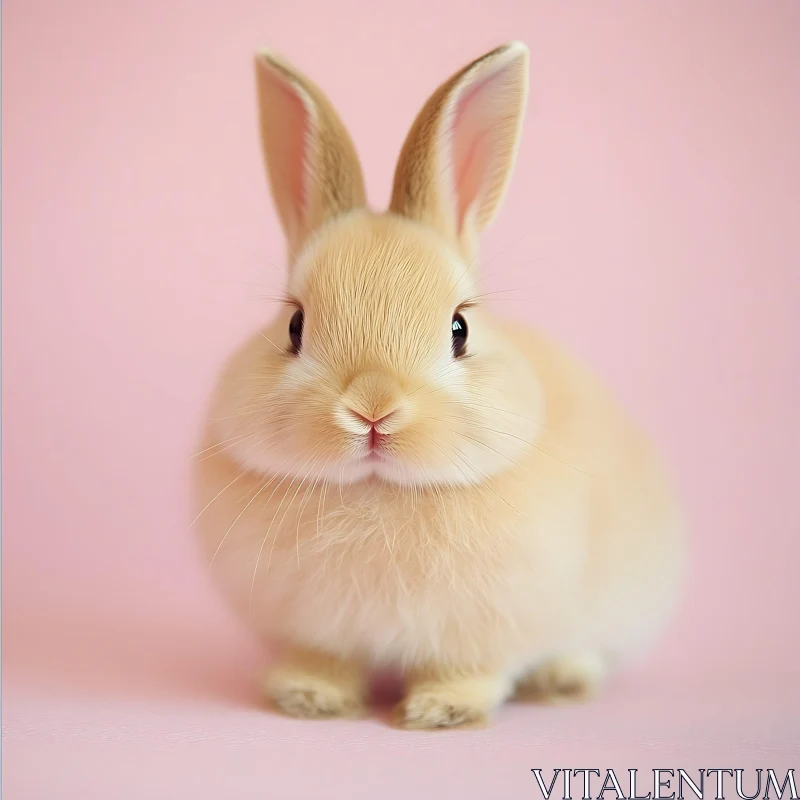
(312, 164)
(459, 154)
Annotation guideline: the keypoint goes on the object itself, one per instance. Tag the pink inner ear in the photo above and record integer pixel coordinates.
(293, 150)
(472, 142)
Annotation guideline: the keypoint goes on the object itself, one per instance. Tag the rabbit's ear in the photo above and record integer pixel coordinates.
(312, 164)
(459, 154)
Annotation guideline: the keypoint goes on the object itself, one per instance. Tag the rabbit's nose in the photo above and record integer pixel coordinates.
(372, 401)
(377, 435)
(370, 419)
(379, 426)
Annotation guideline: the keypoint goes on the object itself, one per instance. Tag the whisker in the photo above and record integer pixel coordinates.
(475, 298)
(513, 436)
(321, 504)
(267, 484)
(219, 546)
(525, 441)
(277, 529)
(535, 447)
(485, 478)
(266, 536)
(268, 437)
(440, 374)
(492, 408)
(238, 437)
(487, 485)
(279, 349)
(253, 410)
(446, 455)
(309, 493)
(478, 441)
(208, 504)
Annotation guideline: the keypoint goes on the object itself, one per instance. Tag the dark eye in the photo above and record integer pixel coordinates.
(459, 328)
(296, 330)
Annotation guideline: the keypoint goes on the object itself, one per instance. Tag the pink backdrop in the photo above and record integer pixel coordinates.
(653, 224)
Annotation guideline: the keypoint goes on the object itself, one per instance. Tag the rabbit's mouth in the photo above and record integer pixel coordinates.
(377, 461)
(374, 455)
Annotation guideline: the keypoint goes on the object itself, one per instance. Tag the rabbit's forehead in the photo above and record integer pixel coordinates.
(369, 264)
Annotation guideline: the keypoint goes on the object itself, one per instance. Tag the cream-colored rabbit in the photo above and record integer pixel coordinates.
(394, 476)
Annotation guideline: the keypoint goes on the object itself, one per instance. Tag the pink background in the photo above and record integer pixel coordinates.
(653, 225)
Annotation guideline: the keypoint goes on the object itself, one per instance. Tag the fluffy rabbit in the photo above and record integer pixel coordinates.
(393, 476)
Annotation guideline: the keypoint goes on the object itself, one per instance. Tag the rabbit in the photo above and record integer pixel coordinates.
(392, 476)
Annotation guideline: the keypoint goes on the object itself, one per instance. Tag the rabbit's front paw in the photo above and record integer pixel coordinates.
(462, 702)
(315, 686)
(565, 679)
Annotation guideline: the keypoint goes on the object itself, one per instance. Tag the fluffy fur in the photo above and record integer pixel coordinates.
(514, 532)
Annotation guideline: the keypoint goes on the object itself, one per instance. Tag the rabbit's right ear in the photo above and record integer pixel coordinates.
(458, 156)
(312, 164)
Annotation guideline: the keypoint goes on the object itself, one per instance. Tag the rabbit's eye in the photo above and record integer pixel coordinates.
(459, 328)
(296, 330)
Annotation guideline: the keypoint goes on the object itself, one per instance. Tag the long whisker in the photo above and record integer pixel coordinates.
(447, 456)
(238, 437)
(440, 374)
(208, 504)
(269, 437)
(306, 497)
(268, 483)
(275, 537)
(222, 542)
(321, 504)
(254, 409)
(279, 349)
(488, 446)
(482, 274)
(491, 408)
(266, 536)
(534, 446)
(513, 436)
(243, 472)
(487, 485)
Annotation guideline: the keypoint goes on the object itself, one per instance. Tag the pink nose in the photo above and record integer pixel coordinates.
(372, 422)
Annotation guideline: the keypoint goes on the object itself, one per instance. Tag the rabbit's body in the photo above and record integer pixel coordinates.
(506, 525)
(574, 548)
